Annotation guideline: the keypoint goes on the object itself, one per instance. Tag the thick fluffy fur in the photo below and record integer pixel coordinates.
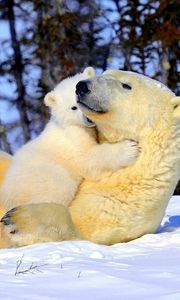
(51, 167)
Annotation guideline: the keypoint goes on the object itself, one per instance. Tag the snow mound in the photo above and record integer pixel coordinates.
(146, 268)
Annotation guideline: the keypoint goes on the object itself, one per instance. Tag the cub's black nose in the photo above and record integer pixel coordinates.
(82, 88)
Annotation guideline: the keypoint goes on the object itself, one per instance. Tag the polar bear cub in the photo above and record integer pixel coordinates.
(51, 167)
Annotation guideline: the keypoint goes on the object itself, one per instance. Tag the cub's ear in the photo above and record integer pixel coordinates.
(89, 71)
(49, 99)
(175, 101)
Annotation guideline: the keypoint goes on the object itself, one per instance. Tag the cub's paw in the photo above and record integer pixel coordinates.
(131, 151)
(37, 223)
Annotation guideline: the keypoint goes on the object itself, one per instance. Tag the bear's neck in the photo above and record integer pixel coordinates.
(160, 153)
(151, 180)
(115, 135)
(156, 172)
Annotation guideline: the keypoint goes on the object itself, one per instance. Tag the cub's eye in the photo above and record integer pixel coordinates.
(74, 107)
(126, 86)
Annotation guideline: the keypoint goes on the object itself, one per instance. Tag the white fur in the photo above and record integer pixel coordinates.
(51, 167)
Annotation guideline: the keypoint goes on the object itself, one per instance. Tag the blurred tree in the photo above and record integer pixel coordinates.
(17, 68)
(65, 38)
(149, 35)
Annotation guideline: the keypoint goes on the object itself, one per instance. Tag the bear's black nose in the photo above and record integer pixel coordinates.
(82, 88)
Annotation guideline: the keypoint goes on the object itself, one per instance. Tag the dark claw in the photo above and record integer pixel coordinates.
(6, 220)
(14, 231)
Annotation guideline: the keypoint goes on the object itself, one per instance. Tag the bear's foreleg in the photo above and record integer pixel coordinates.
(37, 223)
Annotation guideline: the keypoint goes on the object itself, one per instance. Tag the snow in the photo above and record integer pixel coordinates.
(146, 268)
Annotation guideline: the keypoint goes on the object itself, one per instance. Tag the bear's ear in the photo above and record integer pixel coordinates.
(89, 71)
(175, 101)
(49, 99)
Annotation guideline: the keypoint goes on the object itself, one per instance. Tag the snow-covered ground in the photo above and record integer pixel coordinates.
(147, 268)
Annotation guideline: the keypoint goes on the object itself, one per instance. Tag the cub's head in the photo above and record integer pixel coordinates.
(62, 101)
(123, 103)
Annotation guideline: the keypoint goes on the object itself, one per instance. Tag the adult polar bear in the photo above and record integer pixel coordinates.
(132, 201)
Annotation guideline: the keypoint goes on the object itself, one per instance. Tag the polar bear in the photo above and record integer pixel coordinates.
(51, 167)
(129, 202)
(132, 201)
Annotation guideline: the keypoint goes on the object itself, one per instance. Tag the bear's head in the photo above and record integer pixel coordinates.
(62, 101)
(122, 104)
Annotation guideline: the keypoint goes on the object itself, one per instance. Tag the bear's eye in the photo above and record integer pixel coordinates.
(74, 107)
(126, 86)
